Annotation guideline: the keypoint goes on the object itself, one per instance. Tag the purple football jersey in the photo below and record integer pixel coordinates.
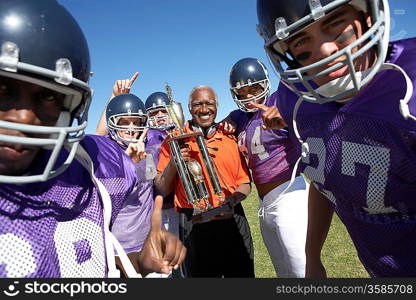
(270, 154)
(132, 224)
(362, 157)
(155, 139)
(55, 228)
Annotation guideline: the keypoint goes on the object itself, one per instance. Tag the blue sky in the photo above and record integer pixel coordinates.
(183, 42)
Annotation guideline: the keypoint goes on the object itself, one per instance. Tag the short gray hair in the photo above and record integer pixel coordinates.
(201, 87)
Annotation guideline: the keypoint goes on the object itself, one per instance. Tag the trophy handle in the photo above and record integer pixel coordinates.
(210, 167)
(183, 173)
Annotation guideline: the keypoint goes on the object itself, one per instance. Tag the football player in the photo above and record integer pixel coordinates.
(157, 114)
(158, 122)
(126, 121)
(358, 142)
(56, 211)
(271, 156)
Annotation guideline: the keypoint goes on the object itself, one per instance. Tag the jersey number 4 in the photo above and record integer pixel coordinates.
(256, 146)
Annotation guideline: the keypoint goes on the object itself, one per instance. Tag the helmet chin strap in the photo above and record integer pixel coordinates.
(344, 83)
(404, 103)
(341, 84)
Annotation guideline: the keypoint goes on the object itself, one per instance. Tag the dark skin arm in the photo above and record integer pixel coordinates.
(164, 182)
(271, 117)
(241, 193)
(162, 251)
(227, 125)
(319, 220)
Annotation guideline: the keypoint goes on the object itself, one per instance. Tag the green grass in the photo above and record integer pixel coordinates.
(339, 255)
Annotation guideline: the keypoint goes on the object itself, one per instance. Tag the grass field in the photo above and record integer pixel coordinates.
(339, 255)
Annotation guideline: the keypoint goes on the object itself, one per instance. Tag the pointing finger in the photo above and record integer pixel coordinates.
(131, 81)
(157, 214)
(258, 105)
(134, 77)
(143, 135)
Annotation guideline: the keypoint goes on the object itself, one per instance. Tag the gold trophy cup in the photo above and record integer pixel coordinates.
(191, 172)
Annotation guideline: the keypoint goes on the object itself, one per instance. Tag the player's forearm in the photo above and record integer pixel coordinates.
(241, 192)
(319, 220)
(102, 123)
(102, 126)
(164, 182)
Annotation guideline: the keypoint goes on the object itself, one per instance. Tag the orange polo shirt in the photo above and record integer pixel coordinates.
(231, 167)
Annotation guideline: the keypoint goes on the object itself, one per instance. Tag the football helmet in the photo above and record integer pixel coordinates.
(249, 72)
(125, 106)
(154, 103)
(42, 44)
(281, 19)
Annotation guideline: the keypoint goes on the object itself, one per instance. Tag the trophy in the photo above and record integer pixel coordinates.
(191, 172)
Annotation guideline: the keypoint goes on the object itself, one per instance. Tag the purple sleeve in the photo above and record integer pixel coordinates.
(113, 167)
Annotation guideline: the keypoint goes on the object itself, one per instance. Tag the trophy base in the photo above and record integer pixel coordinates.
(226, 208)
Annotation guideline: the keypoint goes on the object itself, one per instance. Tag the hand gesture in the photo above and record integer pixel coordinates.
(123, 86)
(162, 251)
(227, 126)
(136, 151)
(185, 152)
(271, 116)
(314, 269)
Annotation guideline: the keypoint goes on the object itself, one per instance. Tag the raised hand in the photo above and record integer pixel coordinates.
(136, 151)
(123, 86)
(227, 126)
(162, 251)
(271, 116)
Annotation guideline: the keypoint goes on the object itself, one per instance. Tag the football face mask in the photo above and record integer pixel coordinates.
(278, 25)
(53, 66)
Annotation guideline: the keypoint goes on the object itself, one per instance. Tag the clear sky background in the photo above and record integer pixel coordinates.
(183, 42)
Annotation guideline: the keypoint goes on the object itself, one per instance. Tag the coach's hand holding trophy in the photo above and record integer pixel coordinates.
(190, 171)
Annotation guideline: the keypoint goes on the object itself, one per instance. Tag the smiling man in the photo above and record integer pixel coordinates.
(221, 247)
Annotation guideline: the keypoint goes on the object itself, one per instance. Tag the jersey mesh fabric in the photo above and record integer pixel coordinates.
(368, 173)
(55, 229)
(362, 158)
